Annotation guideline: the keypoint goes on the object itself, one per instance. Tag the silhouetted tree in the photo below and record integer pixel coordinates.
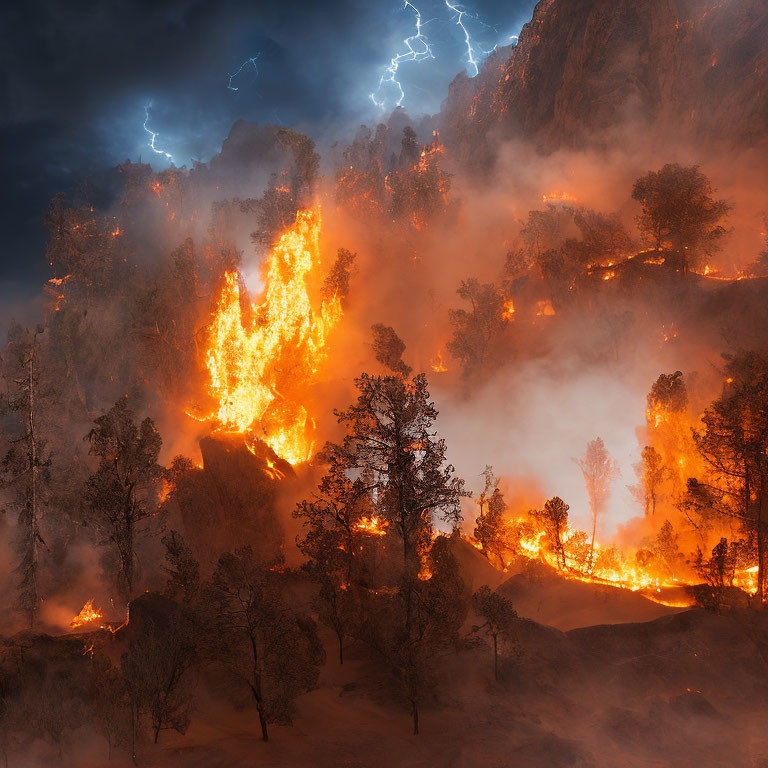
(412, 625)
(183, 570)
(554, 519)
(734, 446)
(122, 492)
(388, 349)
(161, 652)
(599, 470)
(652, 474)
(26, 461)
(110, 703)
(256, 633)
(390, 439)
(666, 547)
(476, 332)
(330, 543)
(336, 285)
(490, 525)
(680, 216)
(499, 615)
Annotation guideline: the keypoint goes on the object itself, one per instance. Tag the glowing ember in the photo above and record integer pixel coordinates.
(257, 358)
(87, 614)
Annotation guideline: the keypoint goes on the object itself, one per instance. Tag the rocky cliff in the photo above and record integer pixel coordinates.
(584, 69)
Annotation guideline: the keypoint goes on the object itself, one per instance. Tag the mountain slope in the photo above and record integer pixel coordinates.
(585, 69)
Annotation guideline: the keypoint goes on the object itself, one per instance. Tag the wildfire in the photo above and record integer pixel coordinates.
(373, 525)
(509, 310)
(562, 197)
(617, 570)
(544, 308)
(258, 354)
(437, 364)
(87, 614)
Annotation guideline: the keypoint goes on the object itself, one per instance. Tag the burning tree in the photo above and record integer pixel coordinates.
(599, 470)
(254, 632)
(491, 523)
(734, 447)
(553, 518)
(122, 492)
(652, 473)
(389, 439)
(25, 463)
(680, 217)
(668, 425)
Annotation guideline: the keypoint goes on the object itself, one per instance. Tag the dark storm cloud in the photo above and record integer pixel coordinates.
(75, 78)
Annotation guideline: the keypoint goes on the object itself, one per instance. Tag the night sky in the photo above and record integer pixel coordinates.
(76, 78)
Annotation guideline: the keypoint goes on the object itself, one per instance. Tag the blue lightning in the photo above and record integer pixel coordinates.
(460, 14)
(251, 61)
(417, 50)
(154, 135)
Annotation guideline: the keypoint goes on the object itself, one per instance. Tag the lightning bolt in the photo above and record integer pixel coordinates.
(231, 77)
(460, 14)
(154, 135)
(417, 50)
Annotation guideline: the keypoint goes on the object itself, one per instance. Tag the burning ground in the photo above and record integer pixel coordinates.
(325, 446)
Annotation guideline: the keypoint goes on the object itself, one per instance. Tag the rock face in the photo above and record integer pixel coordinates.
(585, 68)
(231, 501)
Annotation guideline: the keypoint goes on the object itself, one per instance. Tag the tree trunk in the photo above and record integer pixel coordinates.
(341, 648)
(495, 658)
(260, 710)
(415, 712)
(761, 520)
(263, 723)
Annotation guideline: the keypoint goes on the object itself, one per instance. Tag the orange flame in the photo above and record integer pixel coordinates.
(438, 364)
(87, 614)
(372, 525)
(257, 359)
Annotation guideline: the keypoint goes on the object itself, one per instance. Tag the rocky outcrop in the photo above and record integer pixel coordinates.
(584, 69)
(232, 501)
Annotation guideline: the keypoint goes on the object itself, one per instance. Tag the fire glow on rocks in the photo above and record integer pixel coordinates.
(260, 353)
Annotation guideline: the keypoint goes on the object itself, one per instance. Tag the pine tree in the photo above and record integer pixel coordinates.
(25, 463)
